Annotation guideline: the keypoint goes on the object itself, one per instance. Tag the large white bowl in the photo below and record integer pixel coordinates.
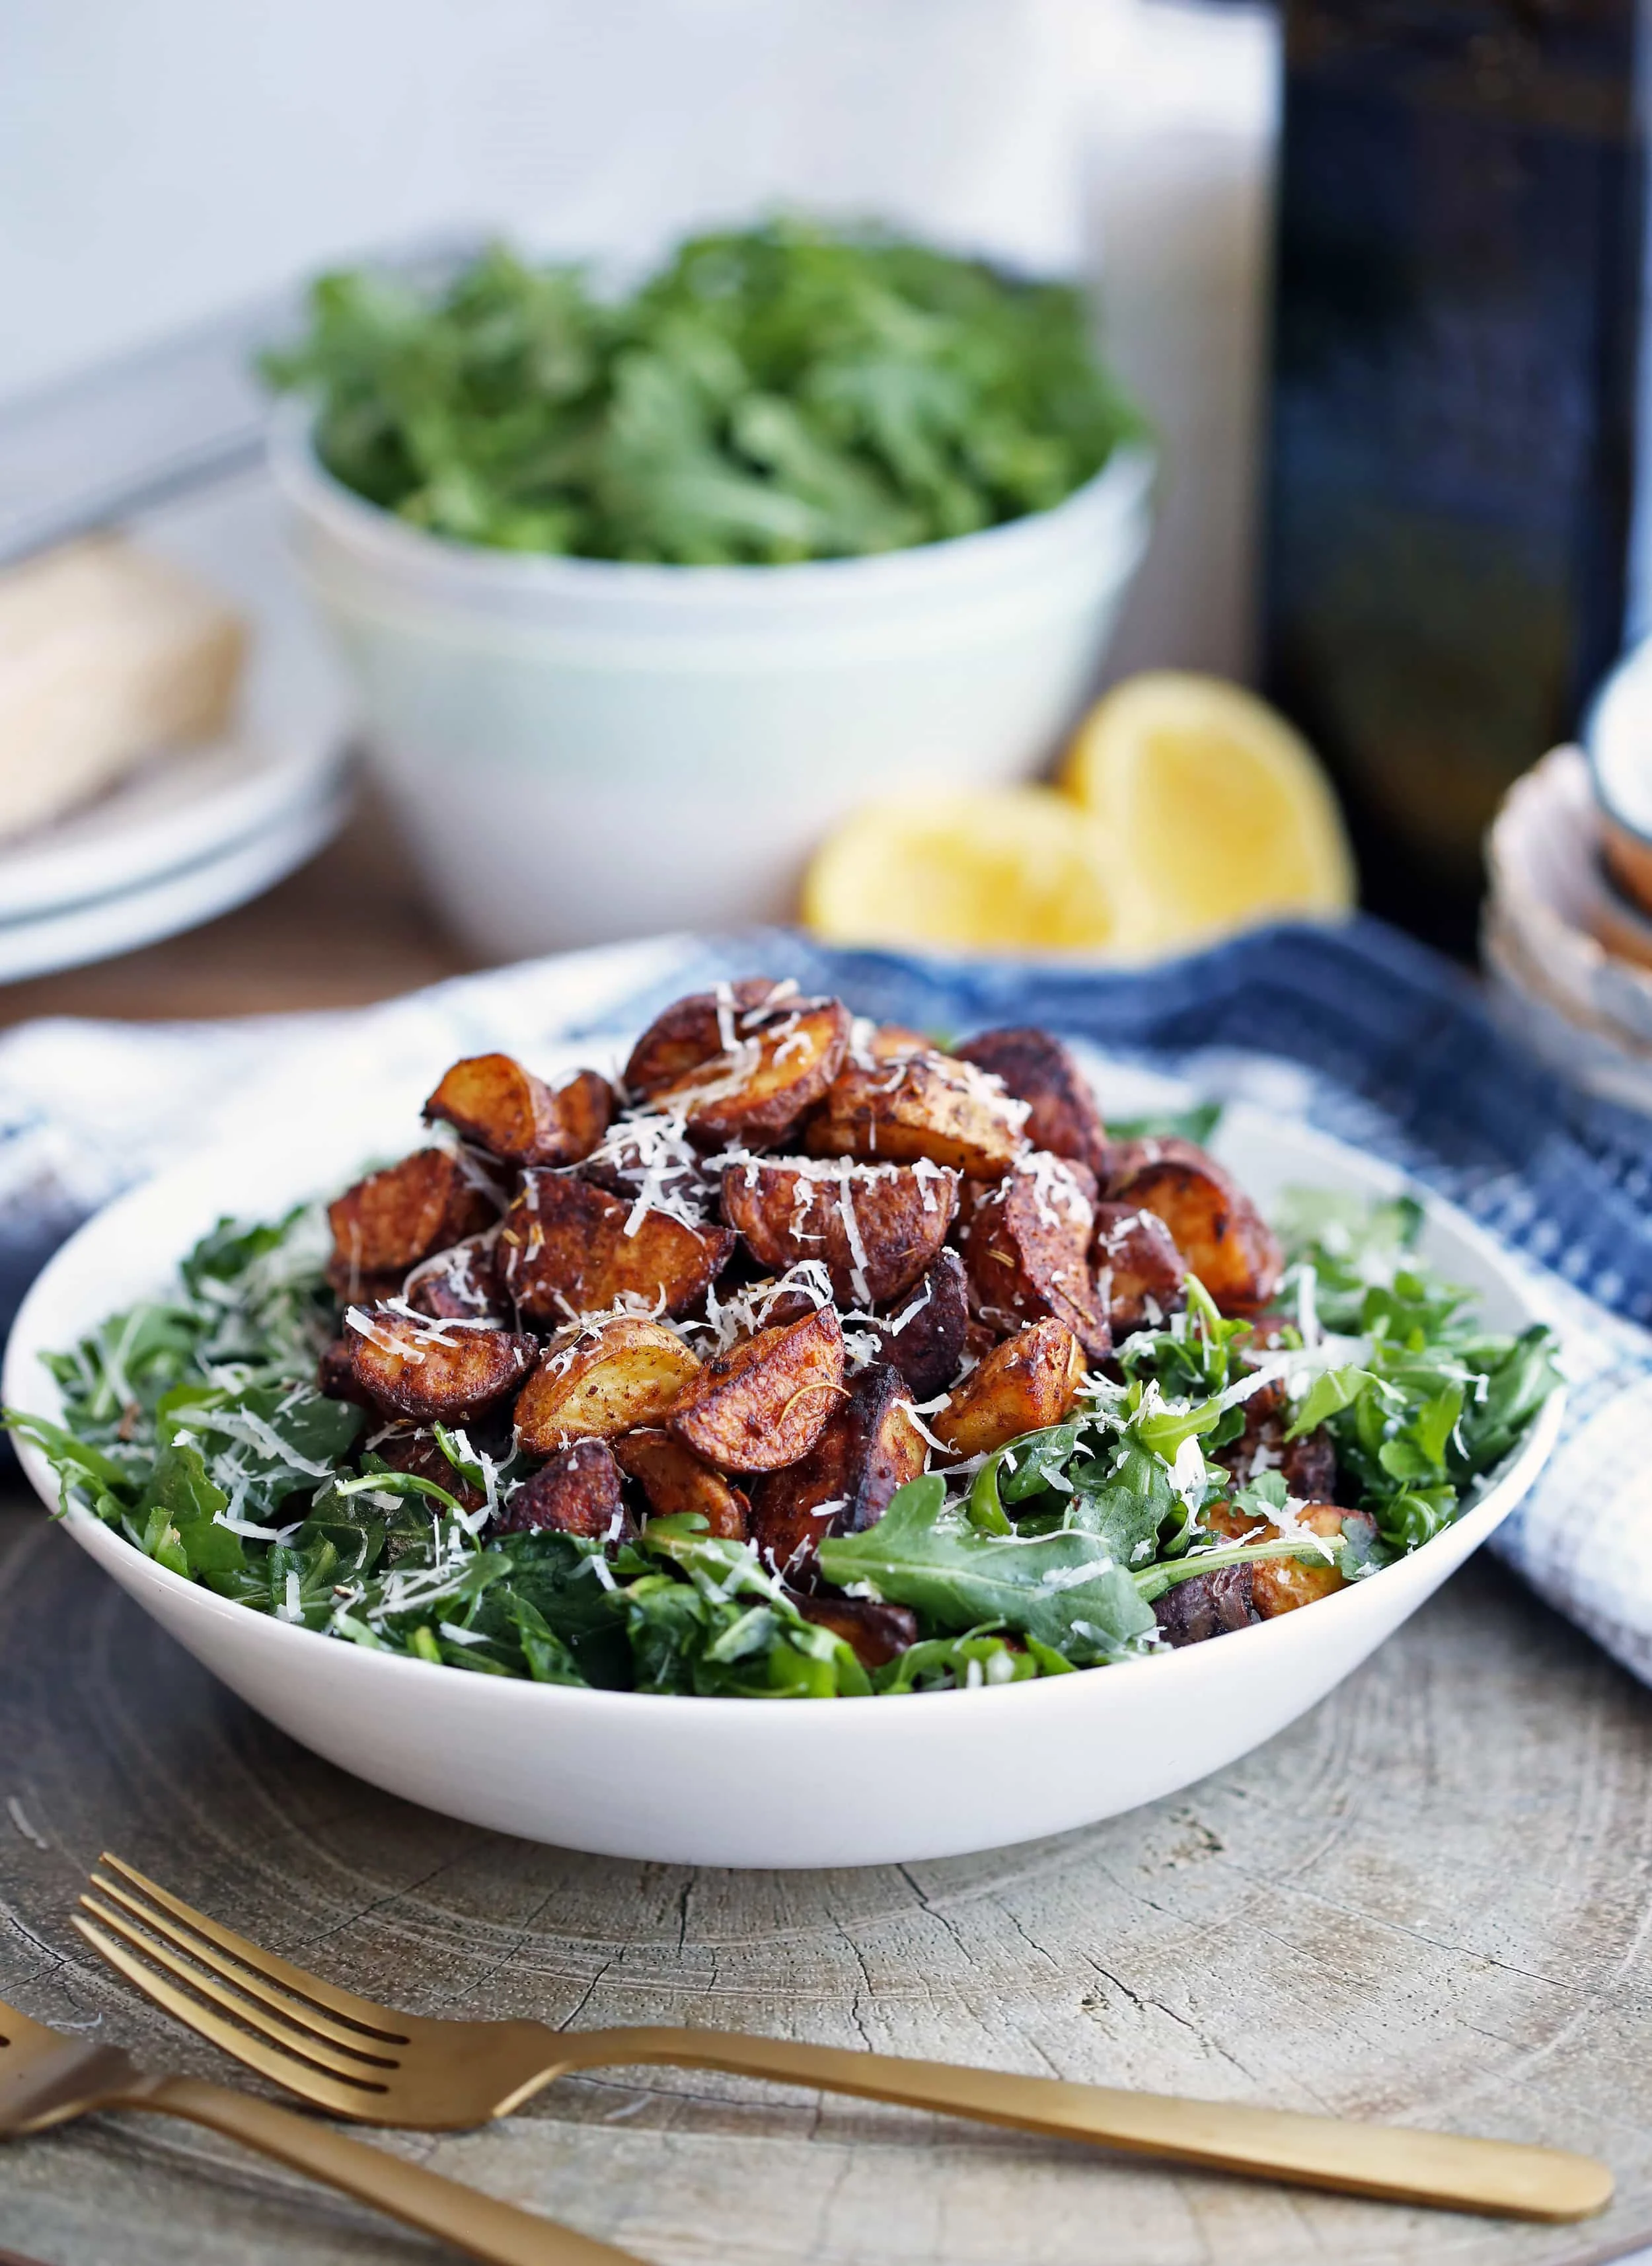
(580, 750)
(767, 1782)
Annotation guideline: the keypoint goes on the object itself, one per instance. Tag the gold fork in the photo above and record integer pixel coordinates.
(46, 2078)
(356, 2058)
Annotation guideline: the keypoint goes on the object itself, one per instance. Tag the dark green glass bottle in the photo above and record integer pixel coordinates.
(1457, 330)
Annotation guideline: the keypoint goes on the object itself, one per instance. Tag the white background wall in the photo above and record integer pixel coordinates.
(162, 159)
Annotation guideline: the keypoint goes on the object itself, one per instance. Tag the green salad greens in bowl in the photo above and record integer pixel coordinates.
(783, 393)
(806, 1360)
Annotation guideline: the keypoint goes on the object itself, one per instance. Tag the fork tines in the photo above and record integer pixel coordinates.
(302, 2033)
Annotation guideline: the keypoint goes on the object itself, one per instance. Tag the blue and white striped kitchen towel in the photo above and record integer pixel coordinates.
(1356, 1030)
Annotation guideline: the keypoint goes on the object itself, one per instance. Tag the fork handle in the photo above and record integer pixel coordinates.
(495, 2232)
(1498, 2176)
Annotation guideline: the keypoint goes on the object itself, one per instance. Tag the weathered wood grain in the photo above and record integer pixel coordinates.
(1429, 1903)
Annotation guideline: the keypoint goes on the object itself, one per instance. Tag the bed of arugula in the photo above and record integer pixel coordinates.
(783, 392)
(194, 1427)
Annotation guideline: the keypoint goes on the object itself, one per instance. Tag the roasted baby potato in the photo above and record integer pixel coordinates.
(577, 1492)
(492, 1100)
(1038, 1070)
(429, 1371)
(674, 1480)
(868, 1447)
(464, 1284)
(753, 1095)
(1217, 1228)
(1209, 1604)
(595, 1383)
(1279, 1586)
(566, 1252)
(1026, 1250)
(923, 1335)
(875, 1634)
(888, 1041)
(925, 1105)
(764, 1402)
(654, 1154)
(391, 1220)
(688, 1032)
(877, 1227)
(1023, 1385)
(1139, 1274)
(419, 1451)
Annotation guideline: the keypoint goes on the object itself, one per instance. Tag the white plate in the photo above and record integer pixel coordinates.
(177, 811)
(756, 1782)
(178, 901)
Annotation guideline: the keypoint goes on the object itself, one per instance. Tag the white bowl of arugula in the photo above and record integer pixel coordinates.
(543, 1476)
(641, 596)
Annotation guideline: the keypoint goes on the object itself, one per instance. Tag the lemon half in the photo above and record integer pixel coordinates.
(1217, 813)
(1018, 869)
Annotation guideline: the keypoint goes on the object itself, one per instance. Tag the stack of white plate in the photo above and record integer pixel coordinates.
(175, 844)
(1569, 971)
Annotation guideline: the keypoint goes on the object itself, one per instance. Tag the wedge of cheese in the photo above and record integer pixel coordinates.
(106, 655)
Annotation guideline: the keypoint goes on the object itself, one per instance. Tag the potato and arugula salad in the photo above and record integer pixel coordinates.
(806, 1358)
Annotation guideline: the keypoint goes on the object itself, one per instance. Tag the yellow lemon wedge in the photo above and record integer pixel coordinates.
(1216, 812)
(1015, 869)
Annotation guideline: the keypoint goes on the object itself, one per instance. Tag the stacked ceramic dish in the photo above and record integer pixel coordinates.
(1567, 933)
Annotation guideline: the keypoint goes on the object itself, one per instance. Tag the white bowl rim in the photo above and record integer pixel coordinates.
(1117, 490)
(1500, 1493)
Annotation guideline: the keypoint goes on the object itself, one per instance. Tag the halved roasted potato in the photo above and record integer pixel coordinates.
(923, 1105)
(752, 1095)
(390, 1221)
(595, 1383)
(877, 1227)
(1026, 1250)
(1217, 1228)
(1279, 1586)
(868, 1447)
(1038, 1070)
(429, 1370)
(922, 1334)
(1140, 1275)
(764, 1402)
(578, 1491)
(462, 1284)
(568, 1248)
(875, 1634)
(1026, 1383)
(492, 1100)
(693, 1029)
(675, 1480)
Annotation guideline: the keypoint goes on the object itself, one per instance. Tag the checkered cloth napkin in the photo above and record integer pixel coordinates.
(1357, 1030)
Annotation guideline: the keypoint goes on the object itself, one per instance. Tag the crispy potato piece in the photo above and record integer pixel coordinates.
(889, 1041)
(421, 1452)
(674, 1480)
(1209, 1605)
(493, 1100)
(428, 1370)
(641, 1151)
(577, 1492)
(1029, 1381)
(765, 1402)
(1038, 1070)
(1140, 1275)
(1217, 1228)
(868, 1447)
(692, 1030)
(464, 1284)
(1026, 1250)
(754, 1094)
(595, 1383)
(875, 1634)
(566, 1252)
(390, 1221)
(1279, 1586)
(925, 1105)
(925, 1336)
(877, 1227)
